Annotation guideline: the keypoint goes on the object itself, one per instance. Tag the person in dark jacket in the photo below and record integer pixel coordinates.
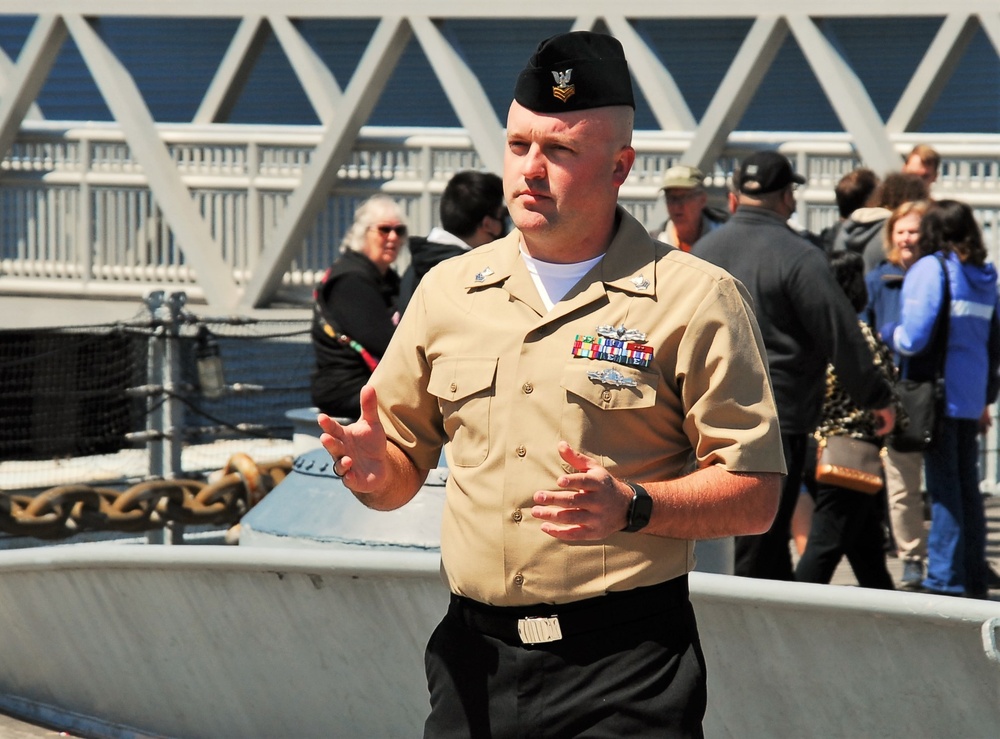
(354, 307)
(852, 192)
(472, 214)
(806, 322)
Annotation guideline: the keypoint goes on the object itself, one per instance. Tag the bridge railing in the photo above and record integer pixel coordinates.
(78, 216)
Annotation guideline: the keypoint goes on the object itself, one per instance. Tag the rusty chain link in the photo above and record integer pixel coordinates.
(61, 512)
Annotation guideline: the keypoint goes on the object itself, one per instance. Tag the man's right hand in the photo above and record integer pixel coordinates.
(358, 449)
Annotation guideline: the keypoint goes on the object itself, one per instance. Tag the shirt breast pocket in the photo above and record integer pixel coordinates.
(465, 387)
(599, 398)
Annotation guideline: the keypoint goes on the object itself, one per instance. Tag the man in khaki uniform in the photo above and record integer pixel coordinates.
(603, 401)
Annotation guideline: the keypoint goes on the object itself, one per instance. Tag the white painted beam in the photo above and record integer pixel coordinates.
(584, 23)
(28, 76)
(464, 92)
(933, 73)
(513, 9)
(849, 98)
(360, 97)
(317, 80)
(733, 96)
(126, 104)
(7, 71)
(661, 92)
(243, 51)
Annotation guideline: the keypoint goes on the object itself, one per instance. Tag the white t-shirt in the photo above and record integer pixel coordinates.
(553, 280)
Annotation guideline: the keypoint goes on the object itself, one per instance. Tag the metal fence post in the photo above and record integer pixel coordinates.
(165, 422)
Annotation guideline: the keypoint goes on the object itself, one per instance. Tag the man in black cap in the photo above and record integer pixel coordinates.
(603, 401)
(806, 322)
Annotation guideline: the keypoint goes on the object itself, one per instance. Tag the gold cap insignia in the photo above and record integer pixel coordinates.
(563, 89)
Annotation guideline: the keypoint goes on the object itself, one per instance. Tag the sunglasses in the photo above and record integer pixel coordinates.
(386, 230)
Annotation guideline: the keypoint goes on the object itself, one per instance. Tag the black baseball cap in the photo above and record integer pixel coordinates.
(767, 171)
(575, 71)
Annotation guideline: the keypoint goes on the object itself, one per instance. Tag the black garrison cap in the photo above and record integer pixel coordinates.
(575, 71)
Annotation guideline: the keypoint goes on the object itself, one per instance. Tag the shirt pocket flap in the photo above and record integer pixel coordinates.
(610, 386)
(456, 378)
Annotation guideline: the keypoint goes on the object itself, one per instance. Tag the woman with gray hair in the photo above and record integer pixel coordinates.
(354, 307)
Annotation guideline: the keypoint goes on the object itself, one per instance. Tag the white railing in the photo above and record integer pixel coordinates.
(79, 217)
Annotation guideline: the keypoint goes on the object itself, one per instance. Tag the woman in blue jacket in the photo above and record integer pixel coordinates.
(957, 540)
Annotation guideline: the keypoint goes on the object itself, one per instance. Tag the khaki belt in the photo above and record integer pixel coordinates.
(541, 624)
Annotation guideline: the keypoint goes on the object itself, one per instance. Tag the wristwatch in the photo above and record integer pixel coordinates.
(640, 509)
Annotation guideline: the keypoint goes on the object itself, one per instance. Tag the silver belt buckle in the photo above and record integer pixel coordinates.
(539, 630)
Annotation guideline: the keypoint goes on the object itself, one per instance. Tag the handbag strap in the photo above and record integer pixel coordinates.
(942, 321)
(331, 329)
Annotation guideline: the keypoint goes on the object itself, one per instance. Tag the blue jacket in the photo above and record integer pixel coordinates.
(973, 349)
(884, 284)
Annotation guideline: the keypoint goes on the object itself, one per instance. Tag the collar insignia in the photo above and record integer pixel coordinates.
(621, 333)
(481, 276)
(611, 377)
(563, 89)
(640, 282)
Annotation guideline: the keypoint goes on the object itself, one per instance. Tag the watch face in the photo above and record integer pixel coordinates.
(640, 509)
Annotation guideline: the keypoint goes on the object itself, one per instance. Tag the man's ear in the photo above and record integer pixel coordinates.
(623, 165)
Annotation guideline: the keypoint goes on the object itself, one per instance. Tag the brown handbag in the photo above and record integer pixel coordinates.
(846, 462)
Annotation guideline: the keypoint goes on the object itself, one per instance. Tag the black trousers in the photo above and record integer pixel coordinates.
(768, 555)
(643, 678)
(845, 523)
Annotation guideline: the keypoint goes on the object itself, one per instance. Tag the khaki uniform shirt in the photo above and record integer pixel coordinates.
(478, 363)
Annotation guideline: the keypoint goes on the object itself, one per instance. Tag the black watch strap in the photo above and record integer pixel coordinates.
(640, 509)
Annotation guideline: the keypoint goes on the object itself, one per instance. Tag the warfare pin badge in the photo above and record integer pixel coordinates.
(611, 377)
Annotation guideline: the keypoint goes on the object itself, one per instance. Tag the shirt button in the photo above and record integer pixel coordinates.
(521, 451)
(453, 387)
(519, 579)
(528, 388)
(516, 515)
(606, 396)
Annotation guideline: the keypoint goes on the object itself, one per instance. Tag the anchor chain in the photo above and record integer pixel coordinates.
(63, 511)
